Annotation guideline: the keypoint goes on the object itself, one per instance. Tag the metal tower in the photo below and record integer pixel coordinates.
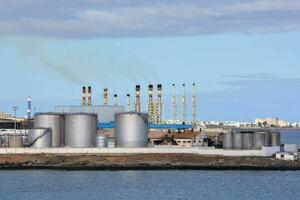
(183, 104)
(174, 103)
(194, 102)
(152, 108)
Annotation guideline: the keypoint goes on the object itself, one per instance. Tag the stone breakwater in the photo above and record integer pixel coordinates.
(150, 161)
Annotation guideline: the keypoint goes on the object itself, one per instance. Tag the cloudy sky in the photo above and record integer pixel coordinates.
(243, 54)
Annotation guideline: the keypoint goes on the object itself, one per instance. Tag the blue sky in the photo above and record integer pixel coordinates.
(243, 55)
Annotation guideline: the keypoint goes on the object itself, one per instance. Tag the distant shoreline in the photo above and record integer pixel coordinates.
(115, 162)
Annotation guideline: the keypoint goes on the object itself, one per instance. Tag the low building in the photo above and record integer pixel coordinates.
(7, 121)
(186, 139)
(287, 156)
(290, 148)
(160, 138)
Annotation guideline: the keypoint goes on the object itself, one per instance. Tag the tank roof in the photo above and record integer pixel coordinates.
(48, 113)
(131, 113)
(80, 113)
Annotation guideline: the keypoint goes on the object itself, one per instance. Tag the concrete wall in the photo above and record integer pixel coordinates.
(166, 150)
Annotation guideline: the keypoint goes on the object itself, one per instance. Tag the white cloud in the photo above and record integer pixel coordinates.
(140, 18)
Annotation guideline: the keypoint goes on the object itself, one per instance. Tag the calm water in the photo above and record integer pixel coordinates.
(291, 137)
(86, 185)
(72, 185)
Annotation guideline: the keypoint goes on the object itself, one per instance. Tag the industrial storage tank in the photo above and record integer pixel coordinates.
(237, 140)
(267, 139)
(15, 141)
(55, 122)
(4, 141)
(258, 140)
(101, 141)
(80, 129)
(275, 139)
(227, 141)
(247, 140)
(40, 138)
(131, 129)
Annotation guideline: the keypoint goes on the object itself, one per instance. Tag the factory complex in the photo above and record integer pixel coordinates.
(117, 129)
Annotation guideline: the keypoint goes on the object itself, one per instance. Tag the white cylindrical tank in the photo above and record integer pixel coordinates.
(15, 141)
(227, 141)
(40, 138)
(275, 139)
(237, 140)
(267, 139)
(80, 130)
(55, 122)
(247, 140)
(101, 141)
(258, 140)
(131, 129)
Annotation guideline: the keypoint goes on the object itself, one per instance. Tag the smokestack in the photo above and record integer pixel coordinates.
(105, 96)
(174, 103)
(29, 107)
(89, 96)
(150, 94)
(128, 103)
(159, 103)
(151, 107)
(83, 95)
(115, 99)
(137, 103)
(183, 104)
(194, 102)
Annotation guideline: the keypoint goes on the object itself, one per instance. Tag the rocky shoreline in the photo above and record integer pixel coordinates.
(141, 162)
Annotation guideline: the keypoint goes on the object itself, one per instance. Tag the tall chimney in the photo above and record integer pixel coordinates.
(137, 103)
(194, 102)
(115, 99)
(105, 96)
(128, 103)
(151, 107)
(159, 103)
(89, 96)
(29, 108)
(183, 104)
(150, 94)
(83, 95)
(174, 103)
